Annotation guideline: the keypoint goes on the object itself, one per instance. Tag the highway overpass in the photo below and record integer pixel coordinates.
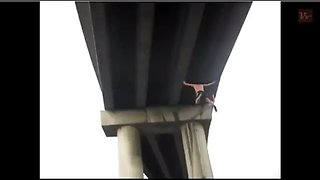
(142, 53)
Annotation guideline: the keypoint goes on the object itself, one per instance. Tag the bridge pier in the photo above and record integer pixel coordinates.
(195, 150)
(130, 160)
(187, 125)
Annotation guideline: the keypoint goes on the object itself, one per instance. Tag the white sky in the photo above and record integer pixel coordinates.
(244, 138)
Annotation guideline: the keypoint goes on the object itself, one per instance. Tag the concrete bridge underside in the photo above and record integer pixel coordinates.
(142, 52)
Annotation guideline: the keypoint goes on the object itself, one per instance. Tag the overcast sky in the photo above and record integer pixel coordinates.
(244, 138)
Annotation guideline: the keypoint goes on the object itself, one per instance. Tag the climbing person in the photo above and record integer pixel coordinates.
(202, 96)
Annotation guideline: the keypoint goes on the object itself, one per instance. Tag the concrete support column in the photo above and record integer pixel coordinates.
(203, 150)
(130, 159)
(187, 147)
(196, 152)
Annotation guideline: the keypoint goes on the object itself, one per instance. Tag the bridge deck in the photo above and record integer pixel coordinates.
(142, 52)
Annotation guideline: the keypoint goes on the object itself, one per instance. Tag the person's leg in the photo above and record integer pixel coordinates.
(210, 100)
(199, 95)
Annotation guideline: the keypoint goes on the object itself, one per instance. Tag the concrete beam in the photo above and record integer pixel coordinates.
(157, 119)
(84, 12)
(144, 32)
(103, 54)
(186, 39)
